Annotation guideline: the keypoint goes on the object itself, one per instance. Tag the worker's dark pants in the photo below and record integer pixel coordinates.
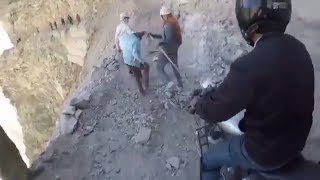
(12, 167)
(230, 153)
(161, 64)
(141, 75)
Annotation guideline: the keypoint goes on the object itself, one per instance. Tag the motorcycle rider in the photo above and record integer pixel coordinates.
(274, 83)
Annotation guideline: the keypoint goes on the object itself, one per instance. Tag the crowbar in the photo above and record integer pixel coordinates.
(169, 59)
(166, 55)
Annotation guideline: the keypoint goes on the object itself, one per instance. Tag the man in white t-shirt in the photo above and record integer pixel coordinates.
(122, 28)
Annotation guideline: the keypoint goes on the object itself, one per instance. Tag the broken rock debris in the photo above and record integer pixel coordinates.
(169, 94)
(80, 103)
(68, 124)
(173, 163)
(143, 135)
(69, 110)
(78, 114)
(170, 85)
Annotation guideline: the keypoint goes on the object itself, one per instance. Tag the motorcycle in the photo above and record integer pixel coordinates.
(209, 134)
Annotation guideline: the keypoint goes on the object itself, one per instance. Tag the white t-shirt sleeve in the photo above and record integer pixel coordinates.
(116, 37)
(122, 28)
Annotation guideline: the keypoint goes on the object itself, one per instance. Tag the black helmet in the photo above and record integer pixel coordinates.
(262, 16)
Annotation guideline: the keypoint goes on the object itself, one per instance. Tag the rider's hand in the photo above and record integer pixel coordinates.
(196, 97)
(202, 92)
(207, 90)
(193, 104)
(196, 92)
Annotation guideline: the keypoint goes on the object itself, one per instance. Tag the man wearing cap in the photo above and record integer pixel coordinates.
(130, 46)
(171, 40)
(122, 28)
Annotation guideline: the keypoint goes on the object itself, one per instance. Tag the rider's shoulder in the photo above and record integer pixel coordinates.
(251, 62)
(244, 59)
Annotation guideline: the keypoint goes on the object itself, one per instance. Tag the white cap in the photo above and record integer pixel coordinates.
(124, 15)
(165, 11)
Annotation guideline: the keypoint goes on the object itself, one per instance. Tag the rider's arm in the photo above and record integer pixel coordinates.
(232, 96)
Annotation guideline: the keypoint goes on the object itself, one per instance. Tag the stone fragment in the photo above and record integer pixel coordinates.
(80, 103)
(174, 162)
(143, 136)
(169, 94)
(114, 66)
(68, 124)
(113, 102)
(170, 85)
(69, 110)
(78, 114)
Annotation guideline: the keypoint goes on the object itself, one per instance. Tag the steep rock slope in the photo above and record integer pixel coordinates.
(37, 74)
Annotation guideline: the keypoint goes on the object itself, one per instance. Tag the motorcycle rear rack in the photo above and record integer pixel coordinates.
(202, 134)
(203, 142)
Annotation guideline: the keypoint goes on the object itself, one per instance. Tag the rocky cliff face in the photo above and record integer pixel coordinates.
(38, 74)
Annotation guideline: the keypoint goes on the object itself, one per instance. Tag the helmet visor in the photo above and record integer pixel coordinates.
(251, 4)
(246, 11)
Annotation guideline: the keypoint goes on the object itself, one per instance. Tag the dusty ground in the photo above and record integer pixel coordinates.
(104, 145)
